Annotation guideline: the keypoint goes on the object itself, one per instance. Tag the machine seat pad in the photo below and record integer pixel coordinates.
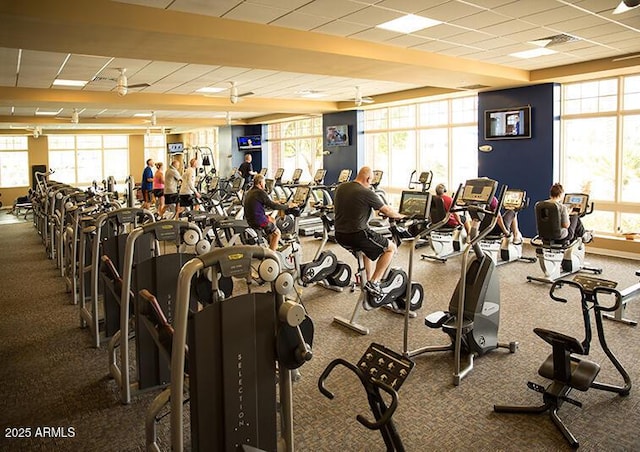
(583, 372)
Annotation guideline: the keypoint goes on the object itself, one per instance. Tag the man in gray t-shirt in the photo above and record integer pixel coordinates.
(354, 203)
(572, 227)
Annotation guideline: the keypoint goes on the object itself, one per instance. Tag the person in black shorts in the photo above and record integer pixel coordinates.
(255, 201)
(246, 171)
(354, 202)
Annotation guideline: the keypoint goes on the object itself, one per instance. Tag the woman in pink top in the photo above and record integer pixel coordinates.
(158, 188)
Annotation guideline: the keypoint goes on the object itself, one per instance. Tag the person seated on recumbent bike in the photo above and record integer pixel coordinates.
(572, 226)
(455, 219)
(255, 201)
(507, 223)
(353, 205)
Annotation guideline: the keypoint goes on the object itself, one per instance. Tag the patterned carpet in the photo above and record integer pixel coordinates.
(51, 377)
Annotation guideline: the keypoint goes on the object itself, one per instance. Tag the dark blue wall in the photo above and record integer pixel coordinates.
(237, 156)
(337, 158)
(528, 164)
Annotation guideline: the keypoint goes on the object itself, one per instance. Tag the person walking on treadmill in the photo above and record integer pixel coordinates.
(246, 171)
(353, 204)
(572, 226)
(255, 201)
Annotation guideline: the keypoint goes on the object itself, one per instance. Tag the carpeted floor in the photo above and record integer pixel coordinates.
(51, 377)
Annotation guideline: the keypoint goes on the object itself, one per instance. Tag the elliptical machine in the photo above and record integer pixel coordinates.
(473, 317)
(558, 257)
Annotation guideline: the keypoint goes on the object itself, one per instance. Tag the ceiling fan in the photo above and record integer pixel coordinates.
(234, 97)
(36, 131)
(122, 84)
(359, 99)
(74, 118)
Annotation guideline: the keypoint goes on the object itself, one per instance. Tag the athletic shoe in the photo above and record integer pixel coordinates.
(587, 237)
(373, 288)
(517, 241)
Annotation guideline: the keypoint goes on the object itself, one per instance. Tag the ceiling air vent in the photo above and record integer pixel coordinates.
(554, 40)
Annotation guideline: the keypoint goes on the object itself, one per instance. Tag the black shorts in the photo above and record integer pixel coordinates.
(269, 229)
(171, 198)
(186, 200)
(158, 192)
(146, 195)
(369, 242)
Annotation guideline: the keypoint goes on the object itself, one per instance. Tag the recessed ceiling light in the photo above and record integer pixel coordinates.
(48, 112)
(142, 115)
(409, 24)
(210, 89)
(533, 53)
(63, 82)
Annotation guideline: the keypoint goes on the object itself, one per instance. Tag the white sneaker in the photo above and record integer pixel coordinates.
(587, 237)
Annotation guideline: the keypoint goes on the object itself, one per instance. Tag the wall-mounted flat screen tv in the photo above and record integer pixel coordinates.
(507, 123)
(338, 135)
(250, 142)
(175, 148)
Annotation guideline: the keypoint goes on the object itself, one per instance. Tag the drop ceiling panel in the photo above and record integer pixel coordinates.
(204, 7)
(486, 18)
(409, 6)
(552, 16)
(441, 31)
(597, 6)
(38, 69)
(375, 35)
(373, 16)
(333, 9)
(527, 8)
(341, 28)
(451, 11)
(492, 4)
(255, 13)
(82, 67)
(507, 28)
(8, 66)
(299, 21)
(406, 41)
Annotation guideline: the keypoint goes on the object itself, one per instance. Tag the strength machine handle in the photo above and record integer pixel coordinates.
(325, 374)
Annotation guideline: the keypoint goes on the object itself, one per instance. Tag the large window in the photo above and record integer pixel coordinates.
(601, 150)
(155, 148)
(295, 144)
(439, 136)
(83, 159)
(14, 162)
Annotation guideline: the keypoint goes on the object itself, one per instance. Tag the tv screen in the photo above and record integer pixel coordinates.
(175, 148)
(250, 142)
(507, 123)
(338, 135)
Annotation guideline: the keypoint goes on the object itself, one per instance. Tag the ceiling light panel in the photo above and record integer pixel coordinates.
(409, 24)
(533, 53)
(71, 83)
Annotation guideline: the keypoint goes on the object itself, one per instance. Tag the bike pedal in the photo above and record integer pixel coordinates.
(536, 387)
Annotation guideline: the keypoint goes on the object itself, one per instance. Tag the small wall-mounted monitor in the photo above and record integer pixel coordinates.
(507, 123)
(250, 142)
(175, 148)
(414, 203)
(338, 135)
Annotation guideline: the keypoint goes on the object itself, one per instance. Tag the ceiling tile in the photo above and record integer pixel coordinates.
(527, 8)
(341, 28)
(450, 11)
(373, 16)
(486, 18)
(552, 16)
(440, 31)
(203, 7)
(491, 4)
(38, 69)
(375, 35)
(299, 21)
(8, 66)
(334, 9)
(410, 6)
(507, 28)
(406, 41)
(255, 13)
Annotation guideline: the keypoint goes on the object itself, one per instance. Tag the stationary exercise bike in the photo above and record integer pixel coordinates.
(473, 318)
(396, 286)
(501, 248)
(325, 268)
(564, 367)
(445, 241)
(559, 257)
